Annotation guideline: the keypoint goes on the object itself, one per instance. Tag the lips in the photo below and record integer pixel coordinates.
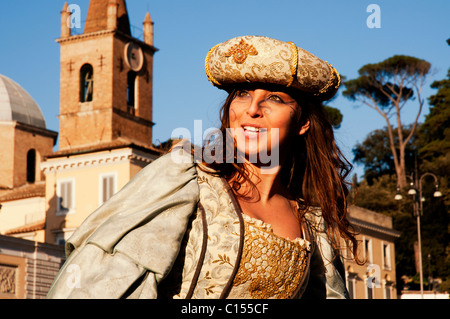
(253, 131)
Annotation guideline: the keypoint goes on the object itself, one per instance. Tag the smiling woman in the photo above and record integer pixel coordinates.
(257, 115)
(231, 228)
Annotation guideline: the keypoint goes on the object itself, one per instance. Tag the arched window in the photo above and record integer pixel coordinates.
(31, 166)
(131, 89)
(86, 83)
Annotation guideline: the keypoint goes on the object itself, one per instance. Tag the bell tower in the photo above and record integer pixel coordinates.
(106, 87)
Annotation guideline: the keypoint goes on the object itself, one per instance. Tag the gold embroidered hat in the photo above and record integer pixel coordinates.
(260, 59)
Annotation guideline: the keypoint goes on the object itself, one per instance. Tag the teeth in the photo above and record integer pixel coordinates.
(251, 128)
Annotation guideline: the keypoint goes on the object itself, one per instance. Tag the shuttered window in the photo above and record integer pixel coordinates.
(107, 187)
(66, 194)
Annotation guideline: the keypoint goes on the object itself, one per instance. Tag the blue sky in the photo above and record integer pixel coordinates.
(335, 31)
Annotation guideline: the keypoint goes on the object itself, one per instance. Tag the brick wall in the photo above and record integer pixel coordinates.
(40, 276)
(16, 139)
(31, 265)
(89, 123)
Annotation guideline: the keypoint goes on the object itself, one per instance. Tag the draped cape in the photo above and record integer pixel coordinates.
(128, 245)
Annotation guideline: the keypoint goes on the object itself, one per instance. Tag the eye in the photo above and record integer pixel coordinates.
(276, 98)
(242, 93)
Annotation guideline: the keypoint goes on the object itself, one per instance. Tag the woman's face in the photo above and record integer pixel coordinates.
(263, 121)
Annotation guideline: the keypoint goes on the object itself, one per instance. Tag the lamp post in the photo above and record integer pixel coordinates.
(416, 184)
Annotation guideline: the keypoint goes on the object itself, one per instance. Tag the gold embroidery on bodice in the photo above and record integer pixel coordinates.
(271, 266)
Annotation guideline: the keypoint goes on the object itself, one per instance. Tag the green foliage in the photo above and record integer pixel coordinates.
(397, 65)
(435, 131)
(432, 142)
(379, 196)
(434, 137)
(376, 156)
(383, 82)
(386, 87)
(334, 115)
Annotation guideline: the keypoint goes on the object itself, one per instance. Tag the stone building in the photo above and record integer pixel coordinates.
(105, 138)
(105, 134)
(27, 268)
(106, 106)
(376, 278)
(24, 141)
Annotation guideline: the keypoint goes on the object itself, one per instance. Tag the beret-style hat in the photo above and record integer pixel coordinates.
(257, 59)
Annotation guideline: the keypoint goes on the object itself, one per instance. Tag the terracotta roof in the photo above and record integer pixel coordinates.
(40, 225)
(117, 143)
(98, 14)
(25, 191)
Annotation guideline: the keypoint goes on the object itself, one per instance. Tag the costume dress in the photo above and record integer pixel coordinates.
(176, 231)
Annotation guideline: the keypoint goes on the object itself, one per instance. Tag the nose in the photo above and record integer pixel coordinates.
(254, 109)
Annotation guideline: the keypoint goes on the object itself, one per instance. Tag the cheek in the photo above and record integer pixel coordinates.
(285, 128)
(292, 114)
(232, 115)
(284, 123)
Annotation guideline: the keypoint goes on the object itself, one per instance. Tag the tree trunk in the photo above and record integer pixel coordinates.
(399, 163)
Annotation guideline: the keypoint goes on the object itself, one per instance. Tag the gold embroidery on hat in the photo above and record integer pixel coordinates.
(334, 77)
(241, 51)
(207, 69)
(294, 63)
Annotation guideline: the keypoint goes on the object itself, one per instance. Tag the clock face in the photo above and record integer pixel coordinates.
(134, 57)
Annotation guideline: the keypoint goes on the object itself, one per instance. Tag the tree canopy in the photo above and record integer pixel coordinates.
(386, 87)
(429, 151)
(435, 131)
(375, 154)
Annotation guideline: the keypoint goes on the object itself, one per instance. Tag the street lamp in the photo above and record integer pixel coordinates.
(418, 211)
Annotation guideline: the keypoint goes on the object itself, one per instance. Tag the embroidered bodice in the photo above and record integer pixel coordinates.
(271, 266)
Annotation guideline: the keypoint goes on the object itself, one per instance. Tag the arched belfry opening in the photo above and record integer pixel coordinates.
(31, 166)
(86, 83)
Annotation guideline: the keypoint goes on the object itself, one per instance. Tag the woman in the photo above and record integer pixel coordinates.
(232, 225)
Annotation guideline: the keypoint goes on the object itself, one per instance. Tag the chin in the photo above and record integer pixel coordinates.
(260, 154)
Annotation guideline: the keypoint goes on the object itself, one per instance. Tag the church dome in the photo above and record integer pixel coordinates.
(17, 105)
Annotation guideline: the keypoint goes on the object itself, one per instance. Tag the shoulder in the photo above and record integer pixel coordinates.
(314, 218)
(179, 159)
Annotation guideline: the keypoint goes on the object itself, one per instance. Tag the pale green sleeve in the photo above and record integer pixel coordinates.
(327, 273)
(129, 244)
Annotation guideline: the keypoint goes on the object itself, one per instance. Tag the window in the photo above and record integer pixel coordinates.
(370, 289)
(351, 286)
(351, 277)
(386, 256)
(388, 287)
(86, 83)
(131, 91)
(107, 187)
(61, 236)
(66, 196)
(349, 252)
(31, 166)
(59, 239)
(388, 291)
(368, 250)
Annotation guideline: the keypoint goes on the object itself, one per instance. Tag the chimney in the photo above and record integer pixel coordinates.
(65, 21)
(113, 9)
(148, 29)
